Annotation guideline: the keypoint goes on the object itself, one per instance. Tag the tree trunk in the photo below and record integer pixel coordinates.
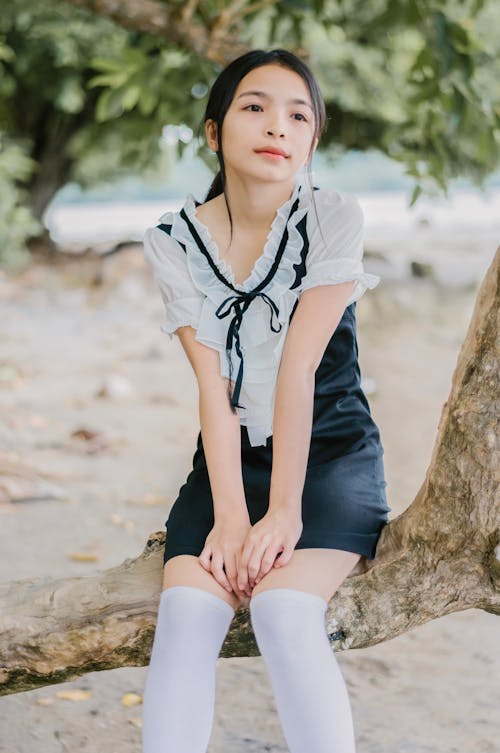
(441, 555)
(52, 174)
(50, 151)
(51, 132)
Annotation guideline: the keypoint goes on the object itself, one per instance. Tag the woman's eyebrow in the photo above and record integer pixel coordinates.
(264, 95)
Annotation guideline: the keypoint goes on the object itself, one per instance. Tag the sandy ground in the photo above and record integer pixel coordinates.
(67, 333)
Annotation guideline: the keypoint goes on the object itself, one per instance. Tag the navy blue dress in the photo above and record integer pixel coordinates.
(344, 503)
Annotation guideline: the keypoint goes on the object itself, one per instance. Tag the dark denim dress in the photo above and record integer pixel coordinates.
(344, 503)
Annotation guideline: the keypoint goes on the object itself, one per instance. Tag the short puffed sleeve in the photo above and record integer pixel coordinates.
(183, 301)
(336, 243)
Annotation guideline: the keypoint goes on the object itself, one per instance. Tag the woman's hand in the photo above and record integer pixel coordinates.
(221, 553)
(274, 534)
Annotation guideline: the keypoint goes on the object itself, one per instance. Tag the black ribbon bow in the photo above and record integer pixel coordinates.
(240, 304)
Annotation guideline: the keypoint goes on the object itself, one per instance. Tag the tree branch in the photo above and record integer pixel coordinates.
(218, 42)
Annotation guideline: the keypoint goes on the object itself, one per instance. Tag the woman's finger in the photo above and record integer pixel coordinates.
(218, 572)
(267, 561)
(285, 556)
(204, 558)
(232, 573)
(247, 592)
(258, 555)
(246, 553)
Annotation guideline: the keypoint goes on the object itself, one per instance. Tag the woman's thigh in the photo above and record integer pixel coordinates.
(318, 571)
(186, 570)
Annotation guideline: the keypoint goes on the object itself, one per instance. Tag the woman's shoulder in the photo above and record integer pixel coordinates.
(337, 204)
(161, 239)
(335, 226)
(162, 250)
(160, 247)
(333, 214)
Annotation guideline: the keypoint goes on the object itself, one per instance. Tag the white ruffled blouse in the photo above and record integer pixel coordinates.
(193, 293)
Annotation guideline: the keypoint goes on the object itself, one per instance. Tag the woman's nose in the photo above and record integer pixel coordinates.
(276, 124)
(280, 131)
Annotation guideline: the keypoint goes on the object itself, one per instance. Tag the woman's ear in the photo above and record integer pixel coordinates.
(211, 134)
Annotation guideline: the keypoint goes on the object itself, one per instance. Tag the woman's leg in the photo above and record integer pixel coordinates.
(179, 693)
(288, 611)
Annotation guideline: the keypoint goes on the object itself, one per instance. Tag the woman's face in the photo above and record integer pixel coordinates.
(280, 116)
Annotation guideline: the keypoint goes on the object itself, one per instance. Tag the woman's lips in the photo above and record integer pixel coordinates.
(273, 155)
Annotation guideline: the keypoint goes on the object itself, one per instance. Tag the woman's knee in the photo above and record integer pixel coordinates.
(285, 620)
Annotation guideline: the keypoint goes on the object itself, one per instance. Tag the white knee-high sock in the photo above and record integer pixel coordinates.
(310, 692)
(179, 693)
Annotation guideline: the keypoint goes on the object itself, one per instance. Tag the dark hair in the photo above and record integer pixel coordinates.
(225, 85)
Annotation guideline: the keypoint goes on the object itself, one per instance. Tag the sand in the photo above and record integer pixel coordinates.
(72, 332)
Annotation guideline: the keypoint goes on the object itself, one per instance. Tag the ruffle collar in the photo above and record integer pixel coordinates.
(202, 273)
(256, 356)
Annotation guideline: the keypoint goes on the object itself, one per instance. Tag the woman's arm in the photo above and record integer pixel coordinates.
(293, 414)
(220, 428)
(306, 340)
(304, 348)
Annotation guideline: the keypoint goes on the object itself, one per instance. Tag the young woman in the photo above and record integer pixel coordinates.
(287, 490)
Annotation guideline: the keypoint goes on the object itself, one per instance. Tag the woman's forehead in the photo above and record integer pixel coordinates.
(268, 82)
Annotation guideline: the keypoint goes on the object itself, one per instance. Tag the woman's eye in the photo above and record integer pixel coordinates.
(301, 115)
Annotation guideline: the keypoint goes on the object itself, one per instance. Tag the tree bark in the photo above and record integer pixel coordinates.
(441, 555)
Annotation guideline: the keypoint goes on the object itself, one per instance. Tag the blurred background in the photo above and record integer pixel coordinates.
(100, 133)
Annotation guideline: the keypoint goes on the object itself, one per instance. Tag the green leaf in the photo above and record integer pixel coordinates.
(415, 194)
(71, 97)
(113, 80)
(109, 105)
(106, 64)
(6, 52)
(131, 97)
(147, 101)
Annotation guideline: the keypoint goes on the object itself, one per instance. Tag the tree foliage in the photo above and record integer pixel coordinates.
(86, 87)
